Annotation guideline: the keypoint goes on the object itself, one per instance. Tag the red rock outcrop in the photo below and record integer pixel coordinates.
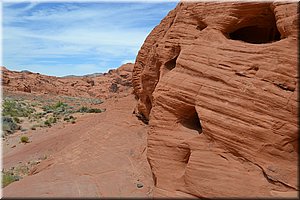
(85, 86)
(218, 83)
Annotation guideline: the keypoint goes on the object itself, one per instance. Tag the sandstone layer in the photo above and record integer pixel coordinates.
(218, 84)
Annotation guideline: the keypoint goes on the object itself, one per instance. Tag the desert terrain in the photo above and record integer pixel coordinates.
(209, 109)
(91, 147)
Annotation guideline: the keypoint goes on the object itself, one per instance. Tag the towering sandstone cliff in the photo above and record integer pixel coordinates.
(218, 83)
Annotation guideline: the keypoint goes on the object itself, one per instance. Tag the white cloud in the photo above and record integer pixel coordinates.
(37, 33)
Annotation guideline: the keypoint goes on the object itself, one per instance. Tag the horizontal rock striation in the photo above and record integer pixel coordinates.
(218, 83)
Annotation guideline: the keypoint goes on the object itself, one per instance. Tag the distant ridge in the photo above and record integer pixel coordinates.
(87, 75)
(100, 85)
(3, 68)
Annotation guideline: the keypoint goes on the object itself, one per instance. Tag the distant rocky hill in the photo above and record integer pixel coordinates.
(218, 84)
(87, 75)
(92, 85)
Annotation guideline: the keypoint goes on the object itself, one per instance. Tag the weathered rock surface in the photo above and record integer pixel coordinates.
(218, 82)
(92, 86)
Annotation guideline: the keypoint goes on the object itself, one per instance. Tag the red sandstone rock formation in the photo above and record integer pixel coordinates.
(218, 82)
(94, 86)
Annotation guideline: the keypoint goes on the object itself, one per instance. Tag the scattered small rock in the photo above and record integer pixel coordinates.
(13, 146)
(139, 185)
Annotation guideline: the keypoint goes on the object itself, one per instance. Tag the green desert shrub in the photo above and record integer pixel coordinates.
(14, 108)
(96, 101)
(47, 123)
(17, 120)
(8, 178)
(50, 121)
(84, 109)
(95, 110)
(9, 126)
(24, 139)
(53, 120)
(34, 104)
(70, 118)
(58, 108)
(38, 115)
(60, 105)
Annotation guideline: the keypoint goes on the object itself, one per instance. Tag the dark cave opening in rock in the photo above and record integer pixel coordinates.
(192, 121)
(171, 63)
(264, 30)
(201, 25)
(256, 34)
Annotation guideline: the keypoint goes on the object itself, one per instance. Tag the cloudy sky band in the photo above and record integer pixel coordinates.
(62, 38)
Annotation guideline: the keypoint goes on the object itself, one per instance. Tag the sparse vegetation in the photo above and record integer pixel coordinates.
(47, 123)
(16, 173)
(50, 121)
(84, 109)
(8, 178)
(43, 112)
(24, 139)
(16, 109)
(96, 101)
(58, 108)
(9, 126)
(95, 110)
(17, 120)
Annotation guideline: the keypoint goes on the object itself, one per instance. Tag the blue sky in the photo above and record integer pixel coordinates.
(61, 38)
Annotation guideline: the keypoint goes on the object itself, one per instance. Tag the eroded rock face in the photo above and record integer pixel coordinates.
(218, 82)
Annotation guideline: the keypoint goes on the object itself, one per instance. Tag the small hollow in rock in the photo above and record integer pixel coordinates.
(171, 63)
(192, 121)
(201, 25)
